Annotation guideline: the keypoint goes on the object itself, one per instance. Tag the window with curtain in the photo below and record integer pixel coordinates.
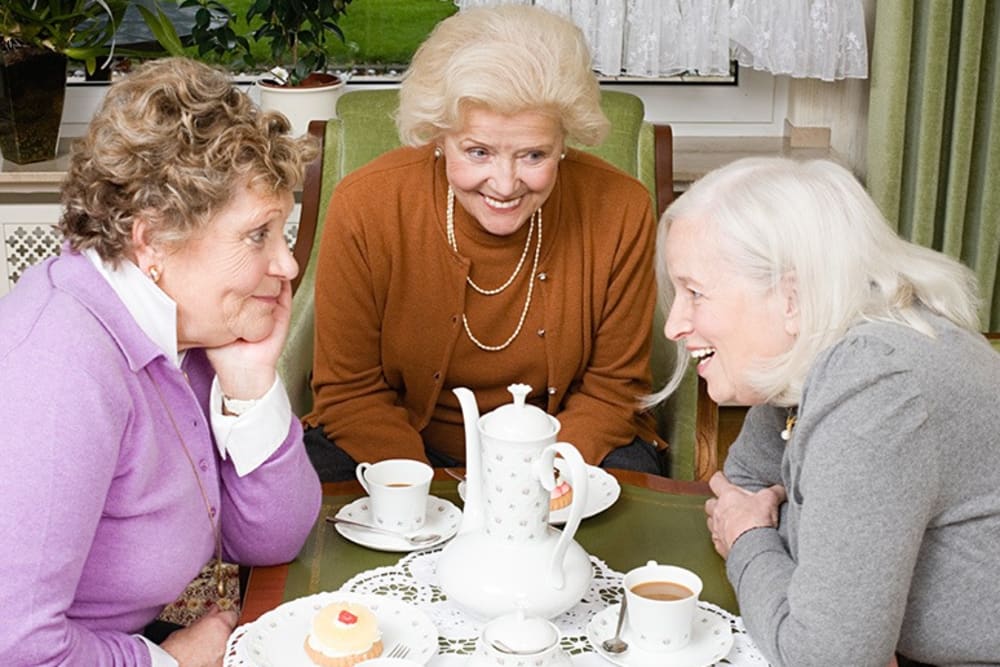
(822, 39)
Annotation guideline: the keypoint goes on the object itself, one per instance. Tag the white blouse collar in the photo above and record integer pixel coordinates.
(152, 309)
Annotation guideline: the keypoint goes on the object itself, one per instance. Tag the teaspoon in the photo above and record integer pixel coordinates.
(616, 644)
(415, 540)
(503, 648)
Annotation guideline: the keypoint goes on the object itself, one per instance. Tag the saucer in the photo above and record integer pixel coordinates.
(602, 492)
(711, 640)
(443, 518)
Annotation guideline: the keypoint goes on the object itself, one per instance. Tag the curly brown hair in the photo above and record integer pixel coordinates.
(172, 143)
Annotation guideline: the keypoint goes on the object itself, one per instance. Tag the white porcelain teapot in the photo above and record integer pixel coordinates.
(506, 556)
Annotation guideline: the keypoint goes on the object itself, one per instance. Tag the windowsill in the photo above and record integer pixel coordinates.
(693, 158)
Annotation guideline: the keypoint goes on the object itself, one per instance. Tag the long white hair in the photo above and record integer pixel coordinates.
(813, 220)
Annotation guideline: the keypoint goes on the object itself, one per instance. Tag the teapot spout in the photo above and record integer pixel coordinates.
(473, 513)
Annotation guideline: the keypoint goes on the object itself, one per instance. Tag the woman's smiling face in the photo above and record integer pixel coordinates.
(728, 324)
(503, 167)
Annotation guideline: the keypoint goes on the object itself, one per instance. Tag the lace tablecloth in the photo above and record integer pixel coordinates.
(414, 580)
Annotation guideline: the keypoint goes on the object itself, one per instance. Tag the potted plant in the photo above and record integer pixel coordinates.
(295, 34)
(36, 39)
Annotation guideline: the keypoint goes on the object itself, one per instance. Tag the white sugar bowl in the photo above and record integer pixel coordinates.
(517, 640)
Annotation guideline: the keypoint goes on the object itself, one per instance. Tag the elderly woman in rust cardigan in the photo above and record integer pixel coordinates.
(486, 252)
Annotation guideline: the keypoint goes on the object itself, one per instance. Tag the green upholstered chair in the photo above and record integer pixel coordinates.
(365, 128)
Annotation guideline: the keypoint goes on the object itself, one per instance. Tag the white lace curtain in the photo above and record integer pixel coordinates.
(823, 39)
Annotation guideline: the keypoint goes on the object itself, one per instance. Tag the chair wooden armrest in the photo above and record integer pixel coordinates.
(309, 213)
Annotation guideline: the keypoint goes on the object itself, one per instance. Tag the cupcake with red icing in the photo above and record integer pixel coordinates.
(342, 635)
(562, 494)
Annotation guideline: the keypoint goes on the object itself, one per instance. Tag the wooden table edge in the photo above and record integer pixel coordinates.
(266, 585)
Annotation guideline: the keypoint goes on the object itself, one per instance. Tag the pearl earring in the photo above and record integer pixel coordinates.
(437, 152)
(562, 156)
(154, 274)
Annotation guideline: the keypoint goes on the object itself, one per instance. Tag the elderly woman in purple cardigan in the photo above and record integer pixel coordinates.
(145, 432)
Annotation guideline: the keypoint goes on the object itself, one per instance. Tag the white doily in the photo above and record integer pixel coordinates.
(414, 580)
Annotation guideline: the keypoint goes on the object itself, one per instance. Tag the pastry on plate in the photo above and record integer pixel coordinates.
(343, 634)
(562, 494)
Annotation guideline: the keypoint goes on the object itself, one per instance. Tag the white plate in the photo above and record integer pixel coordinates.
(711, 640)
(602, 492)
(443, 518)
(276, 639)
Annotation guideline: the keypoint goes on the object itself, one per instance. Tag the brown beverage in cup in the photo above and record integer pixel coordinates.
(662, 601)
(398, 490)
(662, 590)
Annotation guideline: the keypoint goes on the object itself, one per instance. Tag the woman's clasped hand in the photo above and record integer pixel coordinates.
(735, 510)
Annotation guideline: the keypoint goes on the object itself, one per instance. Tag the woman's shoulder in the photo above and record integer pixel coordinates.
(885, 353)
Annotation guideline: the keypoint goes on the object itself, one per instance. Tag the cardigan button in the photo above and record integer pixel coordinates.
(203, 464)
(540, 332)
(552, 391)
(543, 276)
(437, 376)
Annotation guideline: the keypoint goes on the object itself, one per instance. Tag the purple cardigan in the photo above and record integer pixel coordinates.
(102, 522)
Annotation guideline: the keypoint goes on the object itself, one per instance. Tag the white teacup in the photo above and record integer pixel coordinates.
(662, 600)
(398, 490)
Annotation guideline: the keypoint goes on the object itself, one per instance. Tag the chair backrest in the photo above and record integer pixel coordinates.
(365, 128)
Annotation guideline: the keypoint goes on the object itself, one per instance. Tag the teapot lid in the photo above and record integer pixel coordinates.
(518, 420)
(521, 634)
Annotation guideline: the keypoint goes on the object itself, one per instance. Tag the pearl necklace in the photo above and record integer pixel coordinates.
(536, 220)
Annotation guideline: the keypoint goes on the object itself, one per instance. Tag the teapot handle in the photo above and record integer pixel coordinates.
(577, 478)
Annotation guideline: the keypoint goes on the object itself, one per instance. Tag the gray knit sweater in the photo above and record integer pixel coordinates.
(890, 539)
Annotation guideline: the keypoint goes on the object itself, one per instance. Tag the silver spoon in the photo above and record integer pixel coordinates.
(500, 646)
(415, 540)
(616, 644)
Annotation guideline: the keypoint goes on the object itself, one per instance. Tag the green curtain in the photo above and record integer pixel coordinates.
(934, 131)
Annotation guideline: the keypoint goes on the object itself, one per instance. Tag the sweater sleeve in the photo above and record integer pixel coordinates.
(59, 447)
(754, 459)
(268, 513)
(861, 485)
(600, 408)
(353, 402)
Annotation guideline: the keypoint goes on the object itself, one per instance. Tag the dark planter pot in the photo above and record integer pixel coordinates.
(32, 90)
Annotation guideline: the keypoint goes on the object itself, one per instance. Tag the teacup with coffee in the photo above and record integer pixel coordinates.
(398, 491)
(662, 600)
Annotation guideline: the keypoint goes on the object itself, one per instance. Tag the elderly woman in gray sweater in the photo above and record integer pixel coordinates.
(859, 508)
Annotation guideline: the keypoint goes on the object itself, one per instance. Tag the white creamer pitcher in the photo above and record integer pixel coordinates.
(506, 556)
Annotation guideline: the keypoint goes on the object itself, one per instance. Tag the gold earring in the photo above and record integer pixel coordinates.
(154, 274)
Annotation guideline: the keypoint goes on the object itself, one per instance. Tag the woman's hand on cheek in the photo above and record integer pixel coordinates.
(203, 643)
(246, 369)
(735, 510)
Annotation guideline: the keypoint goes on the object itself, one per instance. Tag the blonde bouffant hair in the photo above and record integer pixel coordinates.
(172, 142)
(508, 59)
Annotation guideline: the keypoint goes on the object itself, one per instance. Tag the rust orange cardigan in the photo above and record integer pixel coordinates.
(390, 293)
